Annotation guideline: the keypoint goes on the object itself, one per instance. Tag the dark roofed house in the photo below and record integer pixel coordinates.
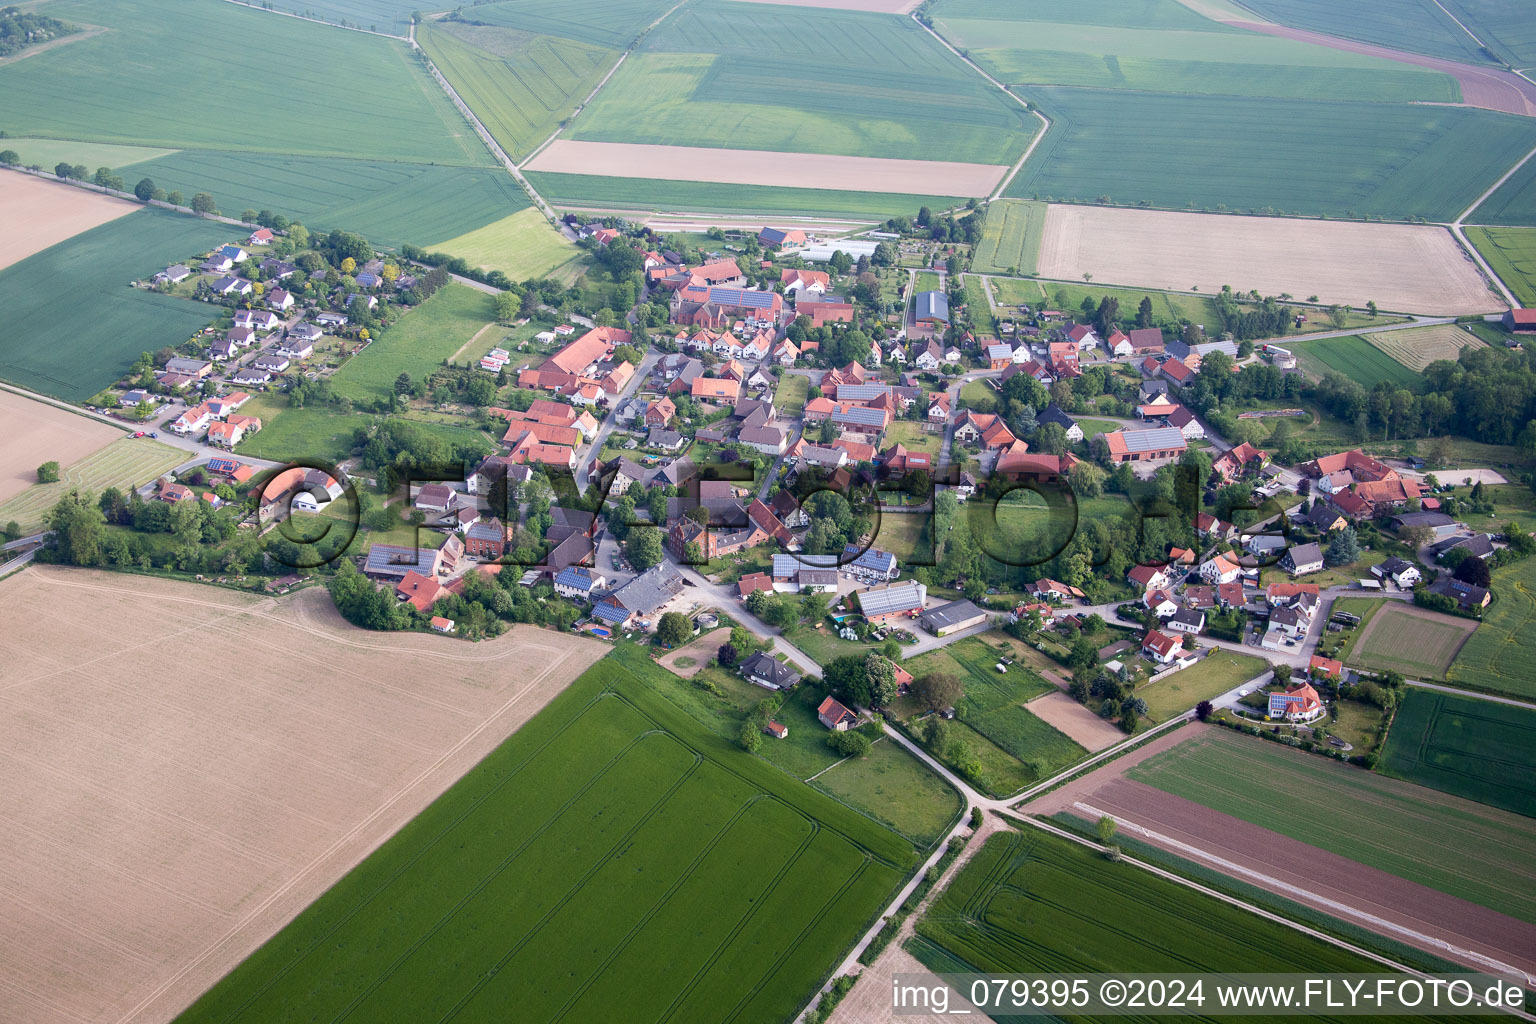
(763, 670)
(1302, 559)
(952, 617)
(1468, 596)
(1478, 544)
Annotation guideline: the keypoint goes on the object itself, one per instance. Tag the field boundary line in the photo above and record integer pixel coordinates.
(1045, 122)
(1234, 901)
(317, 21)
(341, 841)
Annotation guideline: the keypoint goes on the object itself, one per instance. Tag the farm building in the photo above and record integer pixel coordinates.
(1520, 321)
(888, 602)
(952, 617)
(836, 717)
(932, 308)
(1145, 445)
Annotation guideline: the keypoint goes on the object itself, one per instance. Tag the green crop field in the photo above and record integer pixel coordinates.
(1513, 203)
(1498, 656)
(1353, 158)
(1214, 675)
(1418, 26)
(521, 86)
(418, 344)
(1412, 641)
(48, 152)
(899, 790)
(523, 245)
(1010, 242)
(125, 463)
(1511, 252)
(609, 827)
(1356, 358)
(1032, 47)
(389, 203)
(72, 324)
(806, 81)
(1169, 309)
(1466, 849)
(1034, 903)
(610, 23)
(1467, 747)
(1505, 25)
(320, 91)
(715, 197)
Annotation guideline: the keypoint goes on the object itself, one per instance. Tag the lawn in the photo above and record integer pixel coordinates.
(903, 535)
(1010, 240)
(1169, 309)
(1466, 747)
(386, 107)
(715, 197)
(1358, 725)
(925, 281)
(1058, 46)
(610, 826)
(522, 246)
(1093, 428)
(1511, 252)
(325, 433)
(977, 309)
(1465, 849)
(807, 81)
(418, 344)
(1214, 675)
(521, 86)
(1498, 655)
(898, 789)
(1030, 902)
(388, 202)
(126, 463)
(1354, 159)
(72, 324)
(914, 436)
(1354, 357)
(1418, 643)
(789, 396)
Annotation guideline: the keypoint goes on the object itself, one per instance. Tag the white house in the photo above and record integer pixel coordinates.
(1219, 569)
(1402, 572)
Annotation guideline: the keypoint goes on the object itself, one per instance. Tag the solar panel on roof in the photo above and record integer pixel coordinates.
(741, 297)
(1153, 440)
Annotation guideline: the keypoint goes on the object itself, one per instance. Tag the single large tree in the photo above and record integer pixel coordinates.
(674, 629)
(938, 690)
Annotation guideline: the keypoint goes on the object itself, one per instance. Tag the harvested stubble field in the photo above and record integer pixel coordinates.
(1419, 347)
(38, 213)
(608, 828)
(124, 463)
(1473, 748)
(1417, 642)
(1033, 902)
(1412, 268)
(35, 433)
(172, 807)
(759, 167)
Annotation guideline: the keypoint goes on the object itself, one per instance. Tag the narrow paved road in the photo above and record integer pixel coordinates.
(583, 463)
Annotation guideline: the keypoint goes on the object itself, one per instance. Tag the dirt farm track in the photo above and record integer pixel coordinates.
(1409, 268)
(183, 769)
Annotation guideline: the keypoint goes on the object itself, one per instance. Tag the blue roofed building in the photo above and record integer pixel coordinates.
(579, 583)
(932, 308)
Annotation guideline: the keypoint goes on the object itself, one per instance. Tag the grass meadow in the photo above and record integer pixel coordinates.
(48, 152)
(522, 245)
(1411, 641)
(1032, 902)
(320, 91)
(708, 197)
(1511, 252)
(389, 203)
(521, 86)
(1352, 159)
(1498, 655)
(1465, 849)
(1214, 675)
(895, 788)
(1010, 242)
(1356, 358)
(804, 80)
(73, 325)
(608, 827)
(1466, 747)
(125, 463)
(416, 345)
